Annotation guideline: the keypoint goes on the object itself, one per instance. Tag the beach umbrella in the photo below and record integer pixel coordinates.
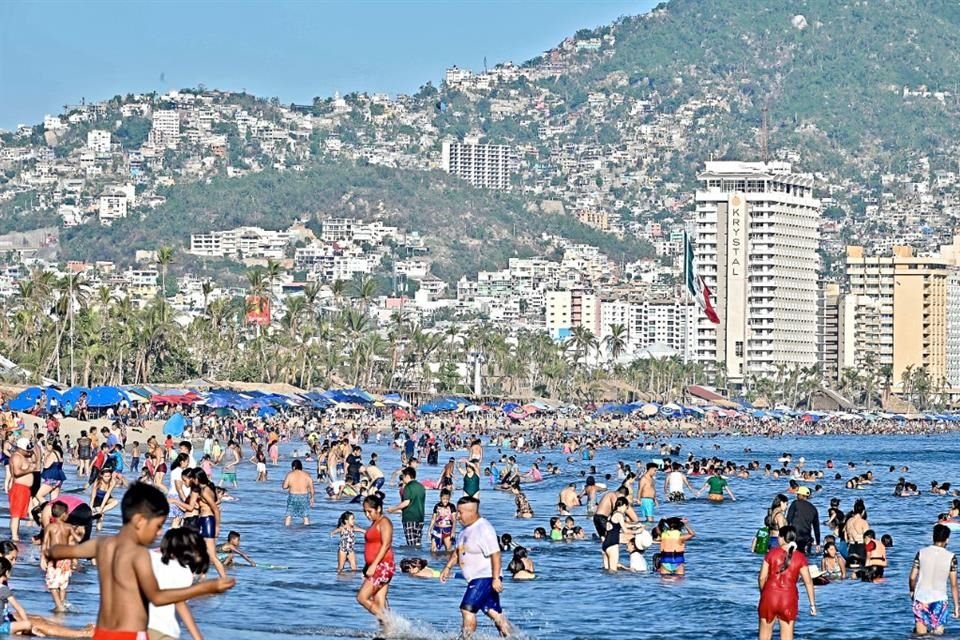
(649, 410)
(27, 399)
(174, 425)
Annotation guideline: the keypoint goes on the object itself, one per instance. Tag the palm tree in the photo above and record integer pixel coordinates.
(583, 342)
(206, 288)
(164, 260)
(616, 342)
(366, 291)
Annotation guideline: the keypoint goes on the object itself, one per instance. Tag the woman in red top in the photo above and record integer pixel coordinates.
(779, 599)
(378, 558)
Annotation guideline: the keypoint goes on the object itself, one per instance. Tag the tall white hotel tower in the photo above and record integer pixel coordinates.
(756, 239)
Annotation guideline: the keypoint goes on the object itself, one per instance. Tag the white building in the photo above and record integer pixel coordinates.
(486, 166)
(356, 231)
(166, 128)
(757, 234)
(456, 76)
(242, 243)
(412, 268)
(98, 141)
(661, 322)
(53, 123)
(953, 330)
(114, 202)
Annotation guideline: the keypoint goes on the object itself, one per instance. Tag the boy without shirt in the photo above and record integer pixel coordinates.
(58, 573)
(125, 571)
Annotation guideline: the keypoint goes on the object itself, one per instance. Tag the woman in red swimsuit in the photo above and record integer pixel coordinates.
(779, 599)
(378, 558)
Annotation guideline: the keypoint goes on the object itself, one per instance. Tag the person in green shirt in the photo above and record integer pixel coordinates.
(716, 484)
(412, 507)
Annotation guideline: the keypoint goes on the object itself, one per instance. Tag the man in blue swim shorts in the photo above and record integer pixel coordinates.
(478, 552)
(648, 492)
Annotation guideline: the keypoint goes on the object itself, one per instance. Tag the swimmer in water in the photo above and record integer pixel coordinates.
(418, 568)
(674, 535)
(231, 547)
(521, 566)
(833, 565)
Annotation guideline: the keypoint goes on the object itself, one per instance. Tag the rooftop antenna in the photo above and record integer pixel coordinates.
(764, 133)
(484, 64)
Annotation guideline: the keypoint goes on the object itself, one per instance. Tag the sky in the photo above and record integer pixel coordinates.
(55, 52)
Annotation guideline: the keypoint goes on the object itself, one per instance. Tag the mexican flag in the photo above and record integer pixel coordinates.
(695, 284)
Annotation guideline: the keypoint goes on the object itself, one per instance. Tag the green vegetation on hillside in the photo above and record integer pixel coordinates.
(466, 229)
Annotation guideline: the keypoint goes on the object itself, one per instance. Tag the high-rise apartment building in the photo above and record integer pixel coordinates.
(849, 332)
(756, 240)
(487, 166)
(953, 330)
(911, 293)
(569, 308)
(660, 323)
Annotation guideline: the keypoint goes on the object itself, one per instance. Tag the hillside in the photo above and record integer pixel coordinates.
(842, 73)
(466, 229)
(615, 120)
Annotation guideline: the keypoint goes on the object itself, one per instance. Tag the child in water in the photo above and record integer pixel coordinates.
(833, 565)
(182, 555)
(227, 550)
(638, 564)
(556, 530)
(521, 566)
(443, 524)
(418, 568)
(346, 527)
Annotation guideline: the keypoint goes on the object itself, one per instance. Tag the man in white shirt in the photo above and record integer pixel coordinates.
(675, 483)
(478, 552)
(933, 568)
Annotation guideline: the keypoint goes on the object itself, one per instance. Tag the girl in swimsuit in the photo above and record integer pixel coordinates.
(779, 599)
(346, 527)
(776, 518)
(52, 474)
(833, 565)
(100, 495)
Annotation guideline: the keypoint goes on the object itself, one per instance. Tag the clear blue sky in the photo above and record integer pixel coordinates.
(53, 52)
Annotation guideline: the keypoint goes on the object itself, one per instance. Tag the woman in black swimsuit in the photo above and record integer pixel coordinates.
(611, 539)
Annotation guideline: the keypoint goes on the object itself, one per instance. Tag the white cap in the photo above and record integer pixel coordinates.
(802, 459)
(24, 444)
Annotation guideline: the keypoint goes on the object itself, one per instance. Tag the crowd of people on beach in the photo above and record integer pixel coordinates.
(171, 482)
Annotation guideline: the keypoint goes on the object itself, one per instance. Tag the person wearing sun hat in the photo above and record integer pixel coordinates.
(805, 518)
(21, 480)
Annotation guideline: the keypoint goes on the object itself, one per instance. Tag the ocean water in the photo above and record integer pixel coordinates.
(572, 597)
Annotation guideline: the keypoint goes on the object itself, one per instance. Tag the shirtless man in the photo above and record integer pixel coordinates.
(648, 492)
(605, 508)
(374, 474)
(230, 466)
(476, 452)
(333, 460)
(300, 493)
(19, 481)
(590, 491)
(569, 496)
